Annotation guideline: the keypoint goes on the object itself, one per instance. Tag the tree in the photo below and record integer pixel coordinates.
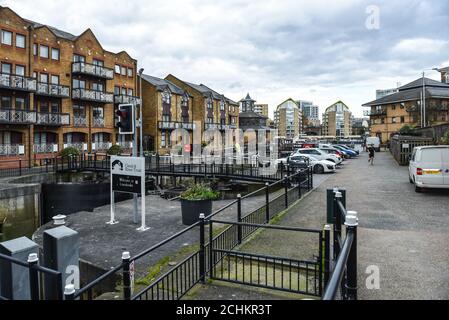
(69, 151)
(115, 150)
(407, 130)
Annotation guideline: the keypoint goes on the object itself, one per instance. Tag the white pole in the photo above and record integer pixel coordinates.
(143, 227)
(424, 99)
(112, 206)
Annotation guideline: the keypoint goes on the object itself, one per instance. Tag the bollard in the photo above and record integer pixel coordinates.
(202, 250)
(126, 276)
(351, 224)
(239, 218)
(34, 276)
(69, 292)
(327, 249)
(267, 202)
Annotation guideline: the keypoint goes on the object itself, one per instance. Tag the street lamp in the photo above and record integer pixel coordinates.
(140, 111)
(423, 97)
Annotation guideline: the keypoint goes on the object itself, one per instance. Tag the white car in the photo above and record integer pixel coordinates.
(429, 167)
(321, 166)
(318, 154)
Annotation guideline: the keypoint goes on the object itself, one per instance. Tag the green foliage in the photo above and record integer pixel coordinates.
(69, 151)
(200, 192)
(446, 138)
(115, 150)
(407, 130)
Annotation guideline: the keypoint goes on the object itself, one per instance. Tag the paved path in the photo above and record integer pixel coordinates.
(403, 233)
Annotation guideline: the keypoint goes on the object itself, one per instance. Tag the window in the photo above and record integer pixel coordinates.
(402, 119)
(20, 70)
(55, 108)
(79, 111)
(130, 72)
(54, 79)
(43, 78)
(6, 103)
(393, 120)
(35, 49)
(34, 75)
(6, 68)
(116, 90)
(43, 51)
(6, 37)
(393, 107)
(20, 103)
(123, 71)
(117, 69)
(78, 58)
(44, 106)
(98, 112)
(123, 91)
(163, 142)
(54, 54)
(130, 92)
(97, 62)
(222, 105)
(79, 84)
(20, 41)
(97, 86)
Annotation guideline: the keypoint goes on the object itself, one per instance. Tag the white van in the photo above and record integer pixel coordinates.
(429, 167)
(374, 141)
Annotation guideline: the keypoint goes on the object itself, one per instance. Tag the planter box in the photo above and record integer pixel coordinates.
(191, 210)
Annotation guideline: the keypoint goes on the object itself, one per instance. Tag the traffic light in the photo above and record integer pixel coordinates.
(125, 124)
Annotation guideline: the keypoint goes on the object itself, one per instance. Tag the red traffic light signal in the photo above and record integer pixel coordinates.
(125, 113)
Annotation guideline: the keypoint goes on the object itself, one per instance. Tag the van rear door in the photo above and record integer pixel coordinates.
(445, 165)
(431, 164)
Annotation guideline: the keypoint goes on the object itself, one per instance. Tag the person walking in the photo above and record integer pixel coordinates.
(371, 154)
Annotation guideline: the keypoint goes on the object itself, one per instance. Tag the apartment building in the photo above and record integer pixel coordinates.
(337, 120)
(213, 110)
(166, 107)
(58, 90)
(288, 119)
(390, 113)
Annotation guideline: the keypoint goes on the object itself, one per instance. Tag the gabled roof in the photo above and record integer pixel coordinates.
(413, 91)
(289, 99)
(162, 84)
(58, 33)
(251, 114)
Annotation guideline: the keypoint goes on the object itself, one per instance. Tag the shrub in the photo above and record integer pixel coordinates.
(407, 130)
(446, 138)
(69, 151)
(199, 192)
(115, 150)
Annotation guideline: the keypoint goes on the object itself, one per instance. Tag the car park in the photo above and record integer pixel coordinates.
(331, 150)
(429, 167)
(349, 153)
(318, 154)
(348, 148)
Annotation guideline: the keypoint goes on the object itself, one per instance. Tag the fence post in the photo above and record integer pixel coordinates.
(126, 276)
(69, 292)
(351, 224)
(20, 167)
(327, 250)
(239, 218)
(337, 224)
(267, 202)
(95, 161)
(311, 179)
(299, 184)
(202, 250)
(211, 249)
(34, 276)
(286, 191)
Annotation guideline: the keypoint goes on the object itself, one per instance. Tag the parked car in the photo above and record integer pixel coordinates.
(318, 154)
(429, 167)
(348, 148)
(297, 162)
(321, 166)
(349, 153)
(331, 150)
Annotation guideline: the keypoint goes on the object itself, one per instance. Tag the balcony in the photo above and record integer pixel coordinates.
(208, 126)
(101, 146)
(12, 149)
(81, 146)
(52, 90)
(228, 126)
(17, 116)
(125, 144)
(171, 125)
(53, 119)
(124, 99)
(92, 95)
(79, 121)
(45, 148)
(92, 70)
(380, 112)
(14, 82)
(98, 122)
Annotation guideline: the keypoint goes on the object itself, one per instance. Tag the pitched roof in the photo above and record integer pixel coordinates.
(162, 84)
(251, 114)
(57, 32)
(412, 91)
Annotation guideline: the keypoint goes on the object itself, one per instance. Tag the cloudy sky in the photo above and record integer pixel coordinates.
(317, 50)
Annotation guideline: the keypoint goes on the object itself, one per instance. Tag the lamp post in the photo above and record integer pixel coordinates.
(423, 104)
(140, 112)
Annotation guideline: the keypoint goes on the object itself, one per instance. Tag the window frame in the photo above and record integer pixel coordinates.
(41, 46)
(119, 67)
(24, 40)
(2, 38)
(59, 54)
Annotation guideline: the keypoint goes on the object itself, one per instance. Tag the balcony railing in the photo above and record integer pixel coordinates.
(45, 148)
(92, 70)
(92, 95)
(11, 81)
(12, 149)
(375, 113)
(17, 116)
(228, 126)
(81, 146)
(53, 90)
(176, 125)
(208, 126)
(98, 122)
(125, 144)
(80, 121)
(53, 119)
(101, 146)
(121, 99)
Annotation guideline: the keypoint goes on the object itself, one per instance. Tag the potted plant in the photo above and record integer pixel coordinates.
(195, 200)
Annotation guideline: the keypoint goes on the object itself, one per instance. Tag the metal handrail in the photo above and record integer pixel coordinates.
(335, 280)
(27, 265)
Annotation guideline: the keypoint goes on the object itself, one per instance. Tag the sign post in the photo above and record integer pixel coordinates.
(128, 175)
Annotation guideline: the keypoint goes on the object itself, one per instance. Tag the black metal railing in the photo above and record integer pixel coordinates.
(342, 283)
(37, 276)
(92, 70)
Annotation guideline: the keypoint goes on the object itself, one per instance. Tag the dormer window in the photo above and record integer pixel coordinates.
(166, 106)
(209, 103)
(222, 105)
